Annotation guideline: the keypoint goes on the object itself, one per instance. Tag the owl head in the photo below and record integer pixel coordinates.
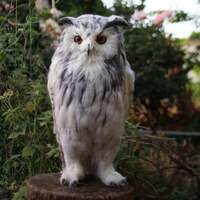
(93, 37)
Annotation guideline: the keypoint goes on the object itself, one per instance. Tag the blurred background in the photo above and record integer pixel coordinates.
(160, 151)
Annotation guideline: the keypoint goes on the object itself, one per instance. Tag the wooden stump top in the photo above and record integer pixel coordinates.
(47, 187)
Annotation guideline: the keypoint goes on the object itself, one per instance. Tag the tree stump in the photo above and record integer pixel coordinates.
(47, 187)
(4, 194)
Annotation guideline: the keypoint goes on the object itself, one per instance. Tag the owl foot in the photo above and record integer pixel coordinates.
(121, 183)
(64, 181)
(112, 178)
(71, 176)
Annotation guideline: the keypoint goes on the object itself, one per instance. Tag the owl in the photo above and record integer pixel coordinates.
(90, 83)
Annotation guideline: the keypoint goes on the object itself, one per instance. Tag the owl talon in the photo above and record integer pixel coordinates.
(122, 183)
(63, 181)
(73, 184)
(69, 184)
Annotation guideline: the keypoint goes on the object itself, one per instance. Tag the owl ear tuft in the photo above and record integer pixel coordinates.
(66, 21)
(116, 21)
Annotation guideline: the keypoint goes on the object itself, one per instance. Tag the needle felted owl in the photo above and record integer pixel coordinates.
(90, 83)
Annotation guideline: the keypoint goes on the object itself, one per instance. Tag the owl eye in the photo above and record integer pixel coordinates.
(78, 39)
(101, 39)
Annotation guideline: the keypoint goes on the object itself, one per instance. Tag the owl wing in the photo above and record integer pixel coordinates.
(51, 87)
(129, 86)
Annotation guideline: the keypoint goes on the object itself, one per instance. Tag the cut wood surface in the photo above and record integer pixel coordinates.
(47, 187)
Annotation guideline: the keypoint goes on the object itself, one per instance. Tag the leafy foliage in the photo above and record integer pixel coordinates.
(159, 167)
(161, 71)
(25, 113)
(78, 7)
(195, 35)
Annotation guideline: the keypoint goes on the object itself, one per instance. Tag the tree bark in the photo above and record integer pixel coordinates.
(47, 187)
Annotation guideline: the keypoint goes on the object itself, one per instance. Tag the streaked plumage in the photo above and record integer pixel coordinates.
(90, 83)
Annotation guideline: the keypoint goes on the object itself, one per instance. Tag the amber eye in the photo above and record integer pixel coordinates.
(101, 39)
(77, 39)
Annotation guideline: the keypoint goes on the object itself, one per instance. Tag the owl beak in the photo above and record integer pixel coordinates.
(89, 49)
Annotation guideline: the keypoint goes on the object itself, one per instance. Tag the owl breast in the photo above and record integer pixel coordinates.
(87, 104)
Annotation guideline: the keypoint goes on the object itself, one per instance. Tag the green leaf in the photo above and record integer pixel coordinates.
(28, 151)
(53, 152)
(21, 194)
(30, 107)
(15, 135)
